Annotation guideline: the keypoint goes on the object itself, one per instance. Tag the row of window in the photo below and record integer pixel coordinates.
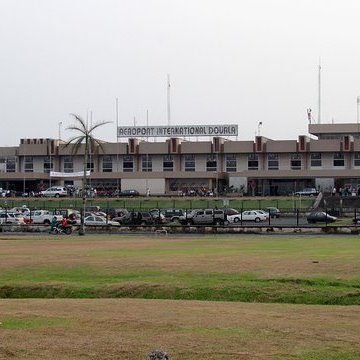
(8, 164)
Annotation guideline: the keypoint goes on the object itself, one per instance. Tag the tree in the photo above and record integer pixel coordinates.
(92, 146)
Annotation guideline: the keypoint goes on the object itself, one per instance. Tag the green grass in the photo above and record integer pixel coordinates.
(85, 282)
(34, 323)
(326, 355)
(288, 204)
(115, 267)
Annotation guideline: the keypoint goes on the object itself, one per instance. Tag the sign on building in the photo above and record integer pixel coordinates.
(177, 131)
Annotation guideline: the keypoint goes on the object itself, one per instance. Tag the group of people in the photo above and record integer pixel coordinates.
(346, 191)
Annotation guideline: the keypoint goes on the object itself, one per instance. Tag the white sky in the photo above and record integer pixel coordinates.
(230, 62)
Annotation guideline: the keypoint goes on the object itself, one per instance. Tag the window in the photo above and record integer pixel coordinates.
(10, 164)
(128, 163)
(295, 161)
(2, 164)
(29, 164)
(357, 159)
(68, 164)
(339, 160)
(48, 164)
(146, 163)
(273, 162)
(211, 162)
(253, 162)
(190, 162)
(168, 163)
(315, 160)
(107, 164)
(90, 164)
(230, 162)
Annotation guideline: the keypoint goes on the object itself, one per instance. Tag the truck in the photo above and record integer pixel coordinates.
(42, 217)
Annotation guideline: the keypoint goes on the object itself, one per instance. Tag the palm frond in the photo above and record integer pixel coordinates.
(95, 126)
(81, 122)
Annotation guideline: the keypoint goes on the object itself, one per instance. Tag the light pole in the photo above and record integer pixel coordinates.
(60, 123)
(259, 125)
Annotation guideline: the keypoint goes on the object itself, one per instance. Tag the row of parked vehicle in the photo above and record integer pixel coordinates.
(94, 216)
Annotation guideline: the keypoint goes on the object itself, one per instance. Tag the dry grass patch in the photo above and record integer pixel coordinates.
(129, 329)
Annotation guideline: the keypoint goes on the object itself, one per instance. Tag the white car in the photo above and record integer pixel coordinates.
(54, 191)
(9, 218)
(250, 215)
(266, 214)
(99, 220)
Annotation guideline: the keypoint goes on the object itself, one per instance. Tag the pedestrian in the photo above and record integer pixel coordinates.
(53, 224)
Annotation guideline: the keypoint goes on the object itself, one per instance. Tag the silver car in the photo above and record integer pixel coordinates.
(94, 220)
(55, 191)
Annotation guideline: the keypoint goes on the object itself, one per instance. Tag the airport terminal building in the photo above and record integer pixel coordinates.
(326, 158)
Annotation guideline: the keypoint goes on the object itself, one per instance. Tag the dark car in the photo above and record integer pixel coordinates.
(129, 193)
(320, 216)
(231, 211)
(173, 214)
(273, 212)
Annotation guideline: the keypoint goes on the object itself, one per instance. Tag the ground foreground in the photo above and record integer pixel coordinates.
(131, 328)
(169, 276)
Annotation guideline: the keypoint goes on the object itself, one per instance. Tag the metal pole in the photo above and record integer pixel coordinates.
(168, 99)
(117, 148)
(319, 94)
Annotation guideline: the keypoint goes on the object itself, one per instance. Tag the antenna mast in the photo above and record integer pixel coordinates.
(168, 99)
(319, 95)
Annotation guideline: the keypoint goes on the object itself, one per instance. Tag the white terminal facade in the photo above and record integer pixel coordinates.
(329, 158)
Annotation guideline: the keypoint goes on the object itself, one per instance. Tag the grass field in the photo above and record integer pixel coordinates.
(262, 297)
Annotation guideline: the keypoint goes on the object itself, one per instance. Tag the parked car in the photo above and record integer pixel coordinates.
(136, 218)
(250, 215)
(167, 215)
(307, 192)
(99, 221)
(55, 191)
(204, 217)
(9, 218)
(129, 193)
(158, 216)
(41, 217)
(265, 213)
(320, 216)
(273, 212)
(231, 211)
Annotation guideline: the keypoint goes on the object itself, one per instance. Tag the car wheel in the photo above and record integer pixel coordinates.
(236, 220)
(257, 219)
(143, 223)
(189, 222)
(47, 222)
(57, 195)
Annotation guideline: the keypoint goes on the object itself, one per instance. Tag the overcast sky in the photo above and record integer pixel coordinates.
(230, 62)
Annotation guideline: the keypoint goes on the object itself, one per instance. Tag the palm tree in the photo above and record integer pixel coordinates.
(92, 146)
